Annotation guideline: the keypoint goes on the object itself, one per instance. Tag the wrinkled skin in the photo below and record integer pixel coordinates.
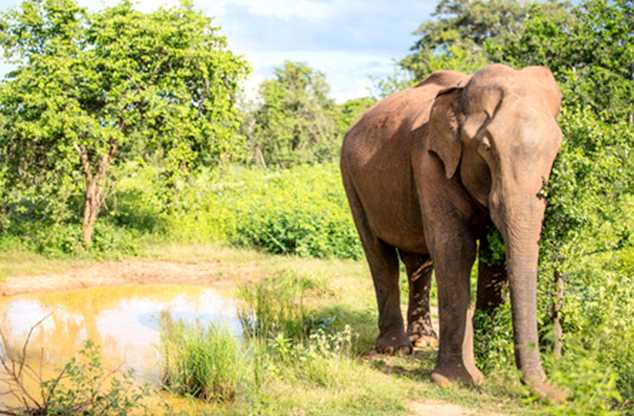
(426, 171)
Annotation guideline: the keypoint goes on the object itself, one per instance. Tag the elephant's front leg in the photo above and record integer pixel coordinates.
(419, 327)
(454, 251)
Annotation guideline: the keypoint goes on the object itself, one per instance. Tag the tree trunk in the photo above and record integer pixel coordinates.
(94, 187)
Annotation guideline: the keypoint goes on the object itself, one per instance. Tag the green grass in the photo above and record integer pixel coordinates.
(204, 362)
(22, 263)
(296, 374)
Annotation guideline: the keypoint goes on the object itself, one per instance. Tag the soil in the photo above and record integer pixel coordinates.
(436, 408)
(132, 272)
(213, 274)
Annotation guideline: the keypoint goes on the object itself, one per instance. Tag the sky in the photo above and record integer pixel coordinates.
(348, 40)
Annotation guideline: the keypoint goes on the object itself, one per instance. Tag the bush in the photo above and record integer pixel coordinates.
(300, 211)
(493, 339)
(82, 387)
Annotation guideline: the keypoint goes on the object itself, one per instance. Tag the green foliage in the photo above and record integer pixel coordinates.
(590, 50)
(493, 339)
(295, 121)
(297, 211)
(201, 361)
(92, 86)
(83, 386)
(457, 37)
(274, 308)
(85, 393)
(592, 389)
(302, 211)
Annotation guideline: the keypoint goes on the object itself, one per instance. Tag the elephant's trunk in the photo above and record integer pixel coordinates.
(519, 219)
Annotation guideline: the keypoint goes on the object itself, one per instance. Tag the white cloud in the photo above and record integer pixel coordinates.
(284, 9)
(348, 73)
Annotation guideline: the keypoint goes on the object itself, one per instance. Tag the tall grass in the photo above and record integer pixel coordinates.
(201, 361)
(273, 307)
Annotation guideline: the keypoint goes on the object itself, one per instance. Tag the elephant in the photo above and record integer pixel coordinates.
(426, 171)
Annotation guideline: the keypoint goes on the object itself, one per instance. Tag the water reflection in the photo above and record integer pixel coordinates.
(122, 320)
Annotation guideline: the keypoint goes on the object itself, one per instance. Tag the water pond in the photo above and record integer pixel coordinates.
(124, 321)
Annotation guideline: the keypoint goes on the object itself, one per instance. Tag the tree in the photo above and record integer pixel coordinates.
(350, 110)
(296, 119)
(90, 85)
(590, 51)
(455, 39)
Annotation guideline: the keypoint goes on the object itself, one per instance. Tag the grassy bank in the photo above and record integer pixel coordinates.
(312, 357)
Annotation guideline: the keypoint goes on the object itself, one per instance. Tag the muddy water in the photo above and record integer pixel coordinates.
(124, 321)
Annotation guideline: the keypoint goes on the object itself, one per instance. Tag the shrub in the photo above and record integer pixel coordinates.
(298, 211)
(82, 387)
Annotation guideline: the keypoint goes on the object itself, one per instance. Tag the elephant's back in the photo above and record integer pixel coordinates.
(386, 126)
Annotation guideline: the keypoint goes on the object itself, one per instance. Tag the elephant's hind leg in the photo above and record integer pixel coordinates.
(419, 327)
(383, 261)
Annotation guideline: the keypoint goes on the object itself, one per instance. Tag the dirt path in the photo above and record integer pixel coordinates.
(436, 408)
(214, 274)
(132, 272)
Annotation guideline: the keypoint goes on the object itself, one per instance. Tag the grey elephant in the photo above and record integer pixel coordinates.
(425, 171)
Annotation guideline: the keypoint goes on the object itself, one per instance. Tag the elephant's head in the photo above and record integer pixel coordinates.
(499, 133)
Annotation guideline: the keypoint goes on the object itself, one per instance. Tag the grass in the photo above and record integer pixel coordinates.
(295, 366)
(23, 263)
(204, 362)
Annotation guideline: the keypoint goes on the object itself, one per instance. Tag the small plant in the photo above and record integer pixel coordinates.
(82, 387)
(493, 344)
(203, 362)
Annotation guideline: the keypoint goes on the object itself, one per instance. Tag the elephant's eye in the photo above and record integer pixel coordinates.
(485, 144)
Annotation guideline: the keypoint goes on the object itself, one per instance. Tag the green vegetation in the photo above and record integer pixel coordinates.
(304, 349)
(296, 121)
(82, 386)
(94, 88)
(135, 141)
(200, 361)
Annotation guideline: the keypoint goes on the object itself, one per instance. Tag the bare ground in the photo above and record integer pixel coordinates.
(132, 272)
(213, 274)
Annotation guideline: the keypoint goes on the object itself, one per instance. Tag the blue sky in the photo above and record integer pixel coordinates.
(348, 40)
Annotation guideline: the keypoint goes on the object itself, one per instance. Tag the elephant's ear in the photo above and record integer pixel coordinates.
(443, 129)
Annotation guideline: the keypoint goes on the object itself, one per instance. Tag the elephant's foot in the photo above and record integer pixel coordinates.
(423, 339)
(456, 371)
(393, 343)
(547, 393)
